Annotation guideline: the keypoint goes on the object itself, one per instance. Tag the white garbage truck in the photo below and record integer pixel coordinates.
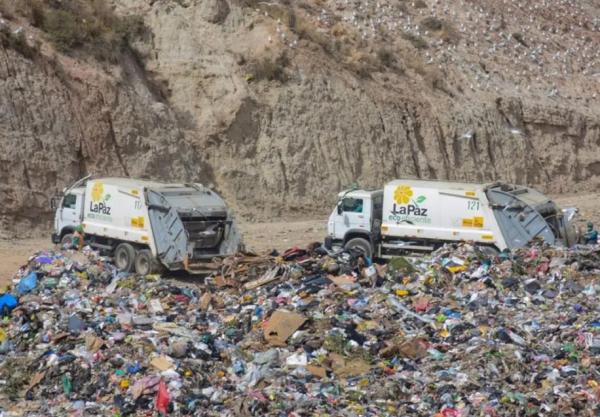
(145, 224)
(418, 215)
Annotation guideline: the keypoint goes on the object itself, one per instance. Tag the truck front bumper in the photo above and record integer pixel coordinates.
(55, 238)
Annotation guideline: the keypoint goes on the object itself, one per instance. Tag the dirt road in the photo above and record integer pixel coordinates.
(261, 237)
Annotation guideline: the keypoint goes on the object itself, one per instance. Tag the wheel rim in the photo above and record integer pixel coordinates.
(362, 250)
(122, 260)
(142, 266)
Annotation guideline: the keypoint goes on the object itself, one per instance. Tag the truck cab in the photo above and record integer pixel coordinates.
(68, 214)
(356, 220)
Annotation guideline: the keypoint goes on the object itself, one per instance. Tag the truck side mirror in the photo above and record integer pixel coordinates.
(339, 209)
(53, 203)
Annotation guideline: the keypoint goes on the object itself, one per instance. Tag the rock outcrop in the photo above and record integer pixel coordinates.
(62, 120)
(278, 116)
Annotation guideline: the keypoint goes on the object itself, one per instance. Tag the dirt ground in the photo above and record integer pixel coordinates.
(259, 237)
(588, 205)
(262, 237)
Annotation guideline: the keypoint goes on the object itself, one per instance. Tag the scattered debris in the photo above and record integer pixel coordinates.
(456, 333)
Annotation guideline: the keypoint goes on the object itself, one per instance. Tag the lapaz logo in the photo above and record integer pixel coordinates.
(410, 210)
(406, 205)
(99, 203)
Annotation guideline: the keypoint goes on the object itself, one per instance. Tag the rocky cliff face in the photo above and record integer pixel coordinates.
(281, 105)
(61, 120)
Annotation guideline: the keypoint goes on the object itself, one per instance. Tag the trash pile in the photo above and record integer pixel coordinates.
(307, 333)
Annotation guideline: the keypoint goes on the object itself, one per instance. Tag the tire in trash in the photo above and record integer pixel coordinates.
(66, 239)
(360, 245)
(124, 257)
(144, 262)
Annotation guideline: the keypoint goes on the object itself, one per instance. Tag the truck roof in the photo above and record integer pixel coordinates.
(127, 182)
(528, 195)
(196, 199)
(359, 193)
(131, 182)
(446, 185)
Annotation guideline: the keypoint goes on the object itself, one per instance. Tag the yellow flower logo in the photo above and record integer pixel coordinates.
(97, 191)
(403, 194)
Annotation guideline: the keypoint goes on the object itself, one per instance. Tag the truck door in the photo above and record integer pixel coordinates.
(169, 234)
(354, 213)
(70, 211)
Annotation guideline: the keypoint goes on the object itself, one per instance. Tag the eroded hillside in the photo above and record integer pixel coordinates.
(281, 104)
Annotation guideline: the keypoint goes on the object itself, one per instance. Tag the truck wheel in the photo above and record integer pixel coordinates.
(488, 250)
(360, 245)
(124, 257)
(66, 240)
(144, 262)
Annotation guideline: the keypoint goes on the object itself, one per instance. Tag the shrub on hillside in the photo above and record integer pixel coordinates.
(450, 34)
(18, 43)
(269, 68)
(305, 29)
(432, 23)
(386, 57)
(416, 40)
(6, 10)
(89, 26)
(65, 29)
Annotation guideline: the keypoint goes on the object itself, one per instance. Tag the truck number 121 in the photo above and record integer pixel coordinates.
(473, 205)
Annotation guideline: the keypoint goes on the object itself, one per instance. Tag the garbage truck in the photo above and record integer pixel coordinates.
(146, 225)
(411, 215)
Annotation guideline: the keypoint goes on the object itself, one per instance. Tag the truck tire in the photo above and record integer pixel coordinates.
(144, 262)
(488, 250)
(124, 257)
(361, 245)
(67, 239)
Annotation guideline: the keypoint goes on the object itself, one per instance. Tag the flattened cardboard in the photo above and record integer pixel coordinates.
(281, 326)
(161, 363)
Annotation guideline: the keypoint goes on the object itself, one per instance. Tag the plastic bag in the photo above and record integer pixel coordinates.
(27, 284)
(162, 398)
(7, 303)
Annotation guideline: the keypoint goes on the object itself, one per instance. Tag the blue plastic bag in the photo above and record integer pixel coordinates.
(135, 368)
(43, 260)
(27, 284)
(7, 302)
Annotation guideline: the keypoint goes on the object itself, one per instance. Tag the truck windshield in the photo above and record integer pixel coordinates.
(352, 205)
